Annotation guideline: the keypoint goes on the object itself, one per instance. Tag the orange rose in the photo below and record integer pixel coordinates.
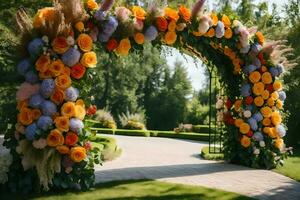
(60, 45)
(36, 113)
(89, 59)
(25, 116)
(245, 141)
(45, 75)
(260, 37)
(56, 67)
(271, 102)
(267, 78)
(62, 149)
(185, 13)
(214, 18)
(80, 102)
(92, 5)
(244, 128)
(78, 71)
(258, 88)
(22, 104)
(79, 26)
(71, 139)
(63, 81)
(78, 154)
(278, 143)
(58, 96)
(171, 14)
(277, 85)
(170, 37)
(139, 38)
(238, 122)
(43, 15)
(161, 24)
(226, 21)
(42, 64)
(276, 118)
(254, 77)
(124, 47)
(62, 123)
(139, 12)
(228, 33)
(266, 121)
(80, 112)
(55, 138)
(265, 95)
(68, 109)
(85, 42)
(210, 33)
(172, 26)
(266, 111)
(66, 71)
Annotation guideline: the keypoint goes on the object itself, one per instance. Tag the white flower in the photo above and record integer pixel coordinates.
(247, 113)
(256, 151)
(219, 104)
(262, 144)
(45, 39)
(70, 41)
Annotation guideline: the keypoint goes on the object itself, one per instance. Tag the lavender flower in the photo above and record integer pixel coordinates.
(258, 117)
(23, 66)
(36, 101)
(248, 69)
(256, 48)
(76, 125)
(35, 47)
(71, 57)
(281, 130)
(151, 33)
(256, 62)
(30, 131)
(100, 15)
(258, 136)
(107, 4)
(44, 122)
(31, 77)
(48, 108)
(220, 30)
(282, 95)
(47, 88)
(110, 26)
(280, 69)
(274, 71)
(253, 124)
(246, 90)
(71, 94)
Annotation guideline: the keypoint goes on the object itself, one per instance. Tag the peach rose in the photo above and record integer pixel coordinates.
(63, 81)
(60, 45)
(62, 123)
(56, 67)
(78, 154)
(85, 42)
(42, 64)
(58, 96)
(55, 138)
(68, 109)
(25, 117)
(62, 149)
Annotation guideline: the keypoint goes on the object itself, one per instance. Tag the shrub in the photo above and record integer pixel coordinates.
(184, 128)
(105, 119)
(133, 121)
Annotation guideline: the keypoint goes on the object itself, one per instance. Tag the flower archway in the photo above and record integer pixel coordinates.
(51, 147)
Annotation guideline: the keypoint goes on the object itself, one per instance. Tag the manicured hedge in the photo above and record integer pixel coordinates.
(211, 156)
(142, 133)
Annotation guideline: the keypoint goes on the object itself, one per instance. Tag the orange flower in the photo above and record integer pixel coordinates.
(228, 33)
(266, 121)
(139, 12)
(258, 88)
(124, 47)
(260, 37)
(161, 24)
(36, 113)
(259, 101)
(58, 96)
(80, 112)
(214, 18)
(55, 138)
(92, 5)
(57, 67)
(80, 102)
(279, 104)
(89, 59)
(170, 37)
(254, 77)
(278, 143)
(266, 111)
(62, 123)
(275, 95)
(237, 105)
(60, 45)
(277, 85)
(85, 42)
(245, 141)
(78, 71)
(139, 38)
(276, 118)
(244, 128)
(71, 139)
(271, 102)
(265, 95)
(62, 149)
(43, 15)
(66, 71)
(226, 21)
(210, 33)
(267, 78)
(63, 81)
(22, 104)
(45, 75)
(78, 154)
(172, 26)
(238, 122)
(42, 64)
(185, 13)
(171, 14)
(25, 116)
(79, 26)
(68, 109)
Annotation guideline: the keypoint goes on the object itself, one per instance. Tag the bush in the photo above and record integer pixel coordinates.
(105, 119)
(133, 121)
(142, 133)
(211, 156)
(184, 128)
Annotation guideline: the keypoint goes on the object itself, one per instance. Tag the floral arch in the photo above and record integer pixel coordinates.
(50, 146)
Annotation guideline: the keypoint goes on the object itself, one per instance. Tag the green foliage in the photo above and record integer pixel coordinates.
(211, 156)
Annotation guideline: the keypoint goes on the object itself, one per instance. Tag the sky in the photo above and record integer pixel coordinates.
(196, 70)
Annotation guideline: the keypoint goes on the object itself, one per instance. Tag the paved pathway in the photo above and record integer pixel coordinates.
(177, 161)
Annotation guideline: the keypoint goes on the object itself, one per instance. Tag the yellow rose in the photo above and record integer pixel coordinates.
(89, 60)
(277, 85)
(276, 118)
(124, 47)
(254, 77)
(279, 104)
(171, 14)
(79, 26)
(170, 37)
(139, 38)
(78, 154)
(266, 111)
(92, 5)
(85, 42)
(228, 33)
(139, 12)
(275, 95)
(258, 88)
(267, 78)
(55, 138)
(245, 141)
(63, 81)
(80, 112)
(226, 21)
(68, 109)
(278, 143)
(62, 123)
(80, 102)
(214, 18)
(244, 128)
(271, 102)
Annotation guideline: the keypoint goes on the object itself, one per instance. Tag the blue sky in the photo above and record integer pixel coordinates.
(196, 70)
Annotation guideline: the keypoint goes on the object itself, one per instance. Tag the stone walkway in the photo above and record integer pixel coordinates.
(177, 161)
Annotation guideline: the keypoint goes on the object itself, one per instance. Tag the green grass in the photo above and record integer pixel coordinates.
(211, 156)
(291, 167)
(140, 190)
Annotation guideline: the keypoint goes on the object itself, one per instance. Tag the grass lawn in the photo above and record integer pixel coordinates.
(291, 167)
(142, 190)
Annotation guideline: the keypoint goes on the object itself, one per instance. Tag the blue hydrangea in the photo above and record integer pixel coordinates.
(280, 69)
(253, 124)
(110, 26)
(248, 69)
(258, 136)
(36, 101)
(256, 48)
(282, 95)
(151, 33)
(48, 108)
(30, 131)
(44, 122)
(246, 90)
(23, 66)
(47, 88)
(281, 130)
(35, 47)
(220, 30)
(76, 125)
(71, 57)
(31, 77)
(258, 117)
(274, 71)
(71, 94)
(256, 62)
(100, 15)
(103, 37)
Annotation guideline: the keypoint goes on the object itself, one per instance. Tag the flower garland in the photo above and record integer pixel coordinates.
(51, 111)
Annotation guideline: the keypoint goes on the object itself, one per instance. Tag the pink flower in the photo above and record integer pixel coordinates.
(138, 25)
(27, 90)
(122, 14)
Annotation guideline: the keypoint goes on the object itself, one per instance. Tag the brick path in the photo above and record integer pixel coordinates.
(177, 161)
